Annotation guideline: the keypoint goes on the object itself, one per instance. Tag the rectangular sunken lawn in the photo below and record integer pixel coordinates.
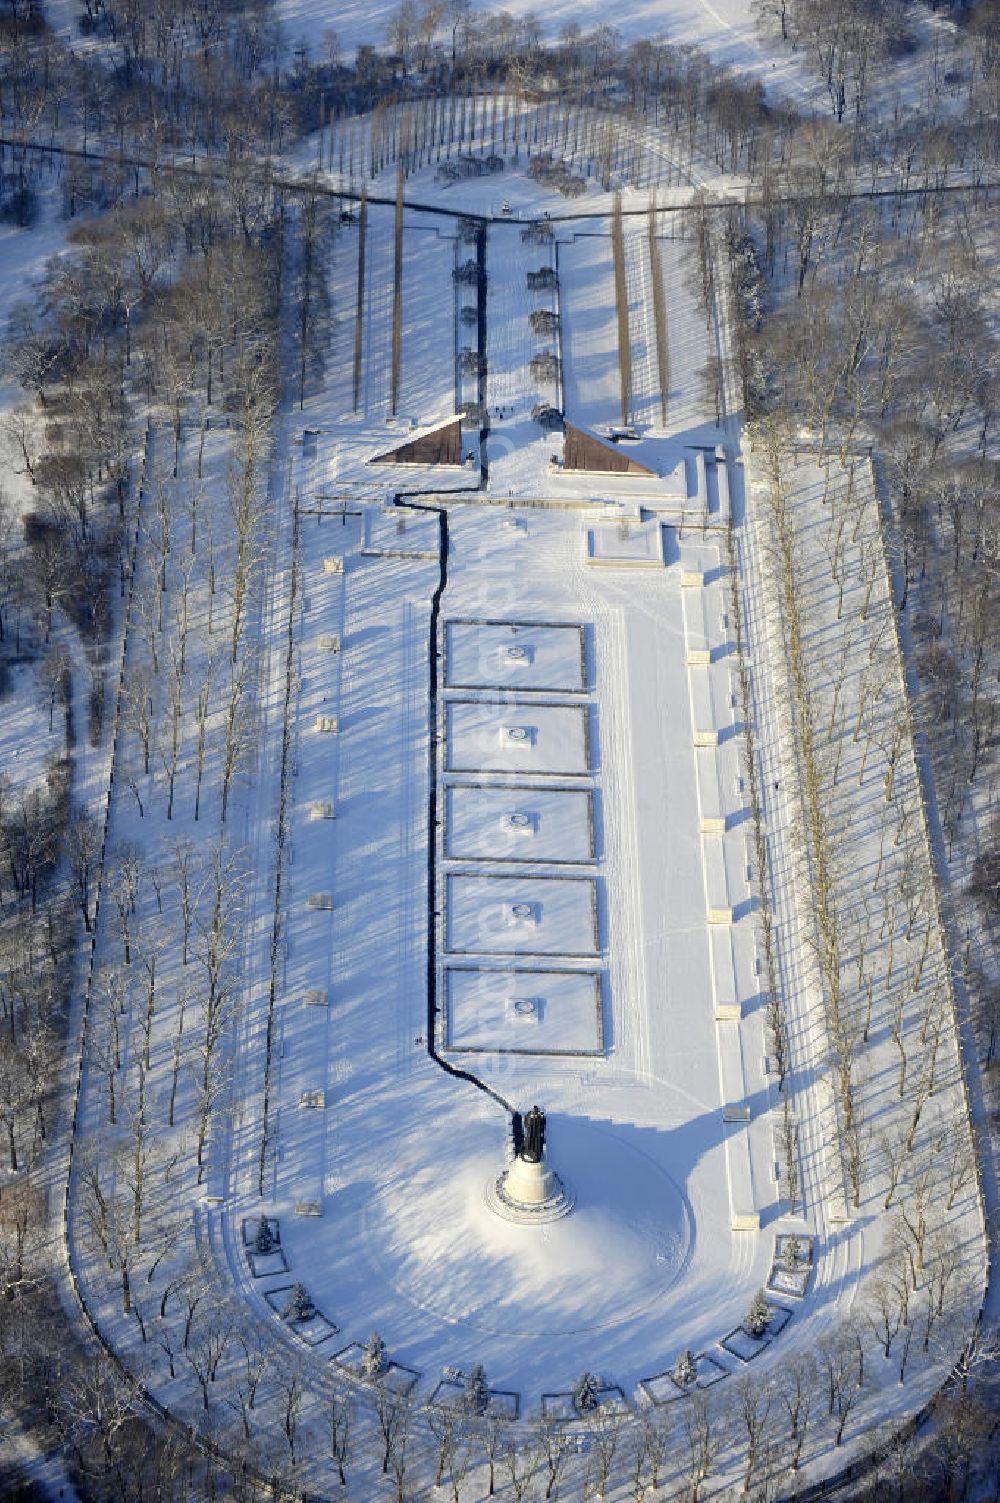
(399, 532)
(515, 655)
(518, 823)
(513, 738)
(522, 916)
(524, 1012)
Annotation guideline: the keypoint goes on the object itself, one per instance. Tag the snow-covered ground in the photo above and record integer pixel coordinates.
(725, 29)
(590, 339)
(633, 929)
(505, 655)
(406, 1243)
(27, 742)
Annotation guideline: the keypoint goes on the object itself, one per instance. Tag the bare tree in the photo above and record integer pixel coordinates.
(492, 1429)
(445, 1422)
(206, 1340)
(701, 1442)
(548, 1443)
(392, 1411)
(755, 1400)
(838, 1364)
(341, 1420)
(218, 941)
(520, 1464)
(605, 1428)
(83, 842)
(797, 1393)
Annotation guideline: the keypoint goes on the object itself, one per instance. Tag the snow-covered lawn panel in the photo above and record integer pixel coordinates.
(791, 1269)
(718, 897)
(664, 1388)
(376, 363)
(704, 633)
(559, 1407)
(251, 1228)
(262, 1265)
(312, 1329)
(788, 1281)
(512, 391)
(645, 410)
(531, 738)
(524, 1011)
(401, 532)
(714, 796)
(706, 730)
(499, 915)
(515, 822)
(427, 375)
(450, 1393)
(515, 655)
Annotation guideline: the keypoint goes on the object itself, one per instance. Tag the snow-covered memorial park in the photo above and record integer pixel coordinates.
(520, 1051)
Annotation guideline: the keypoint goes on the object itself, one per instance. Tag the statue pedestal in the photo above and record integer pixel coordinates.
(529, 1193)
(530, 1184)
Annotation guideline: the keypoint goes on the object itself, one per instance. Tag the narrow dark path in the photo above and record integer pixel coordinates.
(407, 499)
(403, 498)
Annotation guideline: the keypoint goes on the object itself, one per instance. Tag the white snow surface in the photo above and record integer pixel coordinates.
(725, 29)
(26, 741)
(666, 1135)
(402, 1154)
(508, 915)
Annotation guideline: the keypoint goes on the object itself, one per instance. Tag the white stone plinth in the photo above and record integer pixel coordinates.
(530, 1184)
(528, 1193)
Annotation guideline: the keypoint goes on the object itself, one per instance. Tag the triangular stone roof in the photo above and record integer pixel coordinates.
(440, 445)
(585, 451)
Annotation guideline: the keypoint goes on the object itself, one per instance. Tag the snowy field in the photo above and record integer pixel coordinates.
(603, 954)
(591, 341)
(511, 343)
(726, 30)
(593, 392)
(427, 377)
(427, 382)
(379, 1252)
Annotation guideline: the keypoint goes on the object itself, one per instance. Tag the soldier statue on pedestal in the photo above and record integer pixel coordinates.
(528, 1190)
(533, 1150)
